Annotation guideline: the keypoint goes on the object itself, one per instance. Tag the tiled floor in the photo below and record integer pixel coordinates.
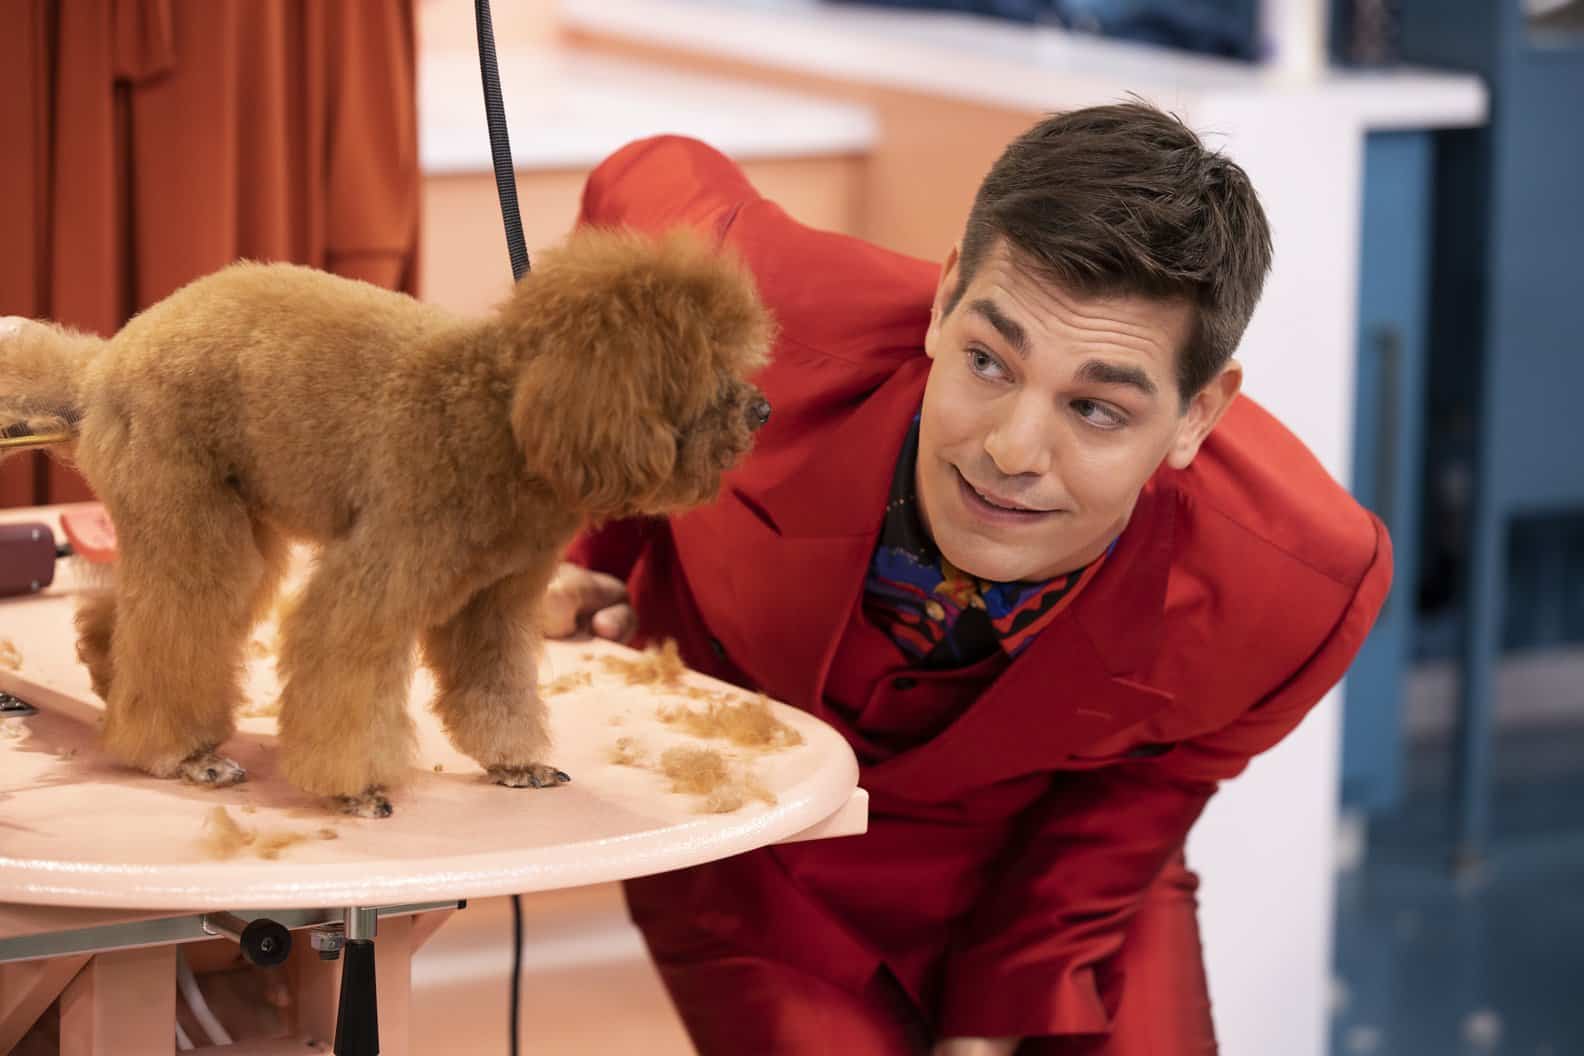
(1492, 965)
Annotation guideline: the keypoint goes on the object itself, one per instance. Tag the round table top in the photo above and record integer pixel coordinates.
(78, 830)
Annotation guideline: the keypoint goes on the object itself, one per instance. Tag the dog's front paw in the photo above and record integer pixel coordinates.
(372, 803)
(535, 775)
(205, 767)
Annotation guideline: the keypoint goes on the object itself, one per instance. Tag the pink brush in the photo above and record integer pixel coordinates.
(92, 536)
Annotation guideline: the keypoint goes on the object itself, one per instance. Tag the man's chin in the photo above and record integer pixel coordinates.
(1003, 563)
(984, 563)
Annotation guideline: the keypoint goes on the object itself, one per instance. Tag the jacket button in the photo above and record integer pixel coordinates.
(717, 648)
(903, 683)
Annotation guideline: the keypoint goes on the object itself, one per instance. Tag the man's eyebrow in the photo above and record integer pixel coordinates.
(1099, 372)
(1008, 327)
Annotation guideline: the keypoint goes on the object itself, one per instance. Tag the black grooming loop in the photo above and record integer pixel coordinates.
(506, 189)
(500, 142)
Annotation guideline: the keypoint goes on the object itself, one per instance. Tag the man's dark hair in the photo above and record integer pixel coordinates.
(1125, 199)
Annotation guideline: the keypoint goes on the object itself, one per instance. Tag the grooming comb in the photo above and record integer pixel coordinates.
(17, 438)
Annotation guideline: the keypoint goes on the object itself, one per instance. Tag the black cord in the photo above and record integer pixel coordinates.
(516, 991)
(500, 142)
(506, 189)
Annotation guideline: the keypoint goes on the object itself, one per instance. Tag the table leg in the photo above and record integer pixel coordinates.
(122, 1002)
(315, 986)
(393, 950)
(426, 924)
(26, 990)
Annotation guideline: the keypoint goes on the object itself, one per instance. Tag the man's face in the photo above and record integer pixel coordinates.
(1044, 415)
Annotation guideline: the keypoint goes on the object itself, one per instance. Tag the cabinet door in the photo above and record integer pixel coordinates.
(1393, 284)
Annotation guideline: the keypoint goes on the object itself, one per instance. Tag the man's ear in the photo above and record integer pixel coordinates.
(1204, 411)
(943, 291)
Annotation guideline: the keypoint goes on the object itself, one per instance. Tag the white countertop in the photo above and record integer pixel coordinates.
(1002, 63)
(569, 110)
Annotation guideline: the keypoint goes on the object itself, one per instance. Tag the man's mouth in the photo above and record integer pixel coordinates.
(992, 503)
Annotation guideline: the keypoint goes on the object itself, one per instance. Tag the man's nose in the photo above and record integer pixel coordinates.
(1019, 444)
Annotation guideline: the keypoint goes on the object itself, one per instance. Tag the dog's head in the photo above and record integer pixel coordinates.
(633, 394)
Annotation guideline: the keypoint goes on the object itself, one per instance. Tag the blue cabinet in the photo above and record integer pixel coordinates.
(1394, 277)
(1506, 323)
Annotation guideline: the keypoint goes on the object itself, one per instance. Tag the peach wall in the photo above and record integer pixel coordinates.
(463, 260)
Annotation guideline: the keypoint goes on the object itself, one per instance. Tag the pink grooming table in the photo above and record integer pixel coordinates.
(88, 849)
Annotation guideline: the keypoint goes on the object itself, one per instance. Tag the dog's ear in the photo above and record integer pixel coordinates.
(599, 446)
(621, 341)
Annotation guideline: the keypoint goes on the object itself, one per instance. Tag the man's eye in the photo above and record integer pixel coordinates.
(984, 364)
(1100, 415)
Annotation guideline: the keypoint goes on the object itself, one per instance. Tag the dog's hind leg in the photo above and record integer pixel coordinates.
(346, 664)
(187, 574)
(483, 660)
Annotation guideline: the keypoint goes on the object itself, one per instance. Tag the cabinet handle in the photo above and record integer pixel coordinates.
(1388, 362)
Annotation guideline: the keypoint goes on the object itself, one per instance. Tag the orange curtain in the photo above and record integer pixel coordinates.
(149, 142)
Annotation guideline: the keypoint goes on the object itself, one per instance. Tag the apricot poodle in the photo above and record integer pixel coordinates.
(441, 464)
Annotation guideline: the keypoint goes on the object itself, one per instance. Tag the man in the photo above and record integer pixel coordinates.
(1012, 531)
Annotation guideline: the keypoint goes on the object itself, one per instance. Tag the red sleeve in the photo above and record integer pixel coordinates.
(830, 292)
(1033, 958)
(657, 184)
(654, 185)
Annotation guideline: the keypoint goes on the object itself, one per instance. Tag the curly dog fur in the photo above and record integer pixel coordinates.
(441, 464)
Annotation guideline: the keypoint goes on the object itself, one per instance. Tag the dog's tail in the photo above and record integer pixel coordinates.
(42, 369)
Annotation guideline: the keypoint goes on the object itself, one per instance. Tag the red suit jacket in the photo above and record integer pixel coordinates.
(1010, 851)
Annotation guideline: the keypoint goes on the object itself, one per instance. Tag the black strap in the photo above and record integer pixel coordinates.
(516, 980)
(500, 143)
(506, 188)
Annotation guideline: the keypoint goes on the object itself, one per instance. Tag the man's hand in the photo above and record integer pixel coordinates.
(582, 601)
(976, 1046)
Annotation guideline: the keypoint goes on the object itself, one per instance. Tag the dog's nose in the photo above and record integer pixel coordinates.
(758, 413)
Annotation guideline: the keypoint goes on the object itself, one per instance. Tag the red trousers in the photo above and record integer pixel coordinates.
(734, 1002)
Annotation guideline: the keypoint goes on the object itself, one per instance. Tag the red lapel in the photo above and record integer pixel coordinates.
(801, 545)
